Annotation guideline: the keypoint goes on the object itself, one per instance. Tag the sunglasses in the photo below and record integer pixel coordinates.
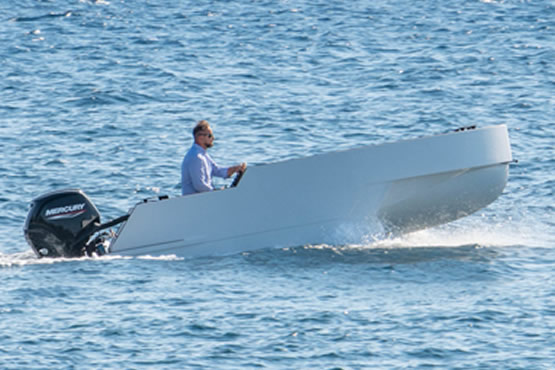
(210, 136)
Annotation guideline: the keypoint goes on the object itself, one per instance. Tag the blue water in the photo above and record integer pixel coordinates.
(102, 95)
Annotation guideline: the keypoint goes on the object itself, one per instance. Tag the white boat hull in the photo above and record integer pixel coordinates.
(334, 198)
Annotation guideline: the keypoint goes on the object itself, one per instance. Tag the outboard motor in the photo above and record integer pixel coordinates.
(59, 224)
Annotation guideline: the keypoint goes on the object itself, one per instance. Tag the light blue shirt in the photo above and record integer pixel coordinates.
(197, 170)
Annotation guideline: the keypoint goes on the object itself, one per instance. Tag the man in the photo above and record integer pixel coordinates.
(198, 168)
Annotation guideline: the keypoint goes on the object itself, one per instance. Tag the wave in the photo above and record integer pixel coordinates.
(452, 236)
(29, 258)
(43, 16)
(446, 239)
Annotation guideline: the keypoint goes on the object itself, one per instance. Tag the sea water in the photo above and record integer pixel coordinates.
(102, 96)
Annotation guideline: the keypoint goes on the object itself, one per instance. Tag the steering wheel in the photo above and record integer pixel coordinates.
(237, 179)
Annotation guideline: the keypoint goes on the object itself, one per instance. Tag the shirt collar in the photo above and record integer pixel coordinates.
(199, 148)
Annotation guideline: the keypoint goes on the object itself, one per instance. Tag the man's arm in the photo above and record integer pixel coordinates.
(217, 170)
(226, 171)
(200, 176)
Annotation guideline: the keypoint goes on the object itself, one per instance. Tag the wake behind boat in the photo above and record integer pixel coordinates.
(396, 187)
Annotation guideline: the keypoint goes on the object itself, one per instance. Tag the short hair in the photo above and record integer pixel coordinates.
(202, 125)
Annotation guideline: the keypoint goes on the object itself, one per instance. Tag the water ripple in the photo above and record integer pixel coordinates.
(102, 95)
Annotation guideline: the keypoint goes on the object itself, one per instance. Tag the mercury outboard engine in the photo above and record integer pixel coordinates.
(60, 224)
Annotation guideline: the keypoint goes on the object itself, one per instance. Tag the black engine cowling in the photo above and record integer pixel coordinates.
(60, 223)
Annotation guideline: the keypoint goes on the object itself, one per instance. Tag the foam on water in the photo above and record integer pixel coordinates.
(29, 258)
(494, 235)
(474, 230)
(170, 257)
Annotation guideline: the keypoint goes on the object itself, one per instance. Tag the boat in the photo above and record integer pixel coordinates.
(391, 188)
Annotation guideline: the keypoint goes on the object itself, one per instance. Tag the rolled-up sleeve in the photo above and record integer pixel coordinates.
(220, 172)
(217, 170)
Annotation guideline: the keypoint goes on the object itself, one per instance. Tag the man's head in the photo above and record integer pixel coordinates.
(203, 135)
